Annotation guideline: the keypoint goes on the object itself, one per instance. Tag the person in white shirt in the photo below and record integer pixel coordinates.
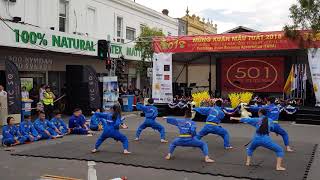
(24, 93)
(2, 92)
(41, 91)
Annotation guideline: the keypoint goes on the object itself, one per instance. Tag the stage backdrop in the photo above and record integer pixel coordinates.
(252, 74)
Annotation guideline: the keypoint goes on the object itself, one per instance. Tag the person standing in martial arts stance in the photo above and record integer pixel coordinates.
(187, 138)
(111, 129)
(151, 113)
(273, 113)
(215, 115)
(28, 130)
(262, 138)
(11, 135)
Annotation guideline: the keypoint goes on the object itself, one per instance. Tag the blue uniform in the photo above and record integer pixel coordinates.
(151, 113)
(215, 115)
(111, 130)
(41, 126)
(261, 140)
(10, 134)
(95, 122)
(60, 125)
(273, 113)
(187, 129)
(77, 124)
(27, 129)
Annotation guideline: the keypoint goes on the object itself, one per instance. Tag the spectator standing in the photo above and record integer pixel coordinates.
(24, 93)
(130, 90)
(2, 92)
(48, 100)
(41, 91)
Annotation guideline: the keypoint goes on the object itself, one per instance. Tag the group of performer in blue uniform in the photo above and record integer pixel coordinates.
(42, 128)
(188, 136)
(111, 123)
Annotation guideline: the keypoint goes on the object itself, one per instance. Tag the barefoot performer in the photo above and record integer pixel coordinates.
(151, 113)
(111, 129)
(262, 138)
(215, 115)
(187, 138)
(273, 113)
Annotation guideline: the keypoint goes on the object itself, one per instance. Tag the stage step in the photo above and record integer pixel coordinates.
(308, 116)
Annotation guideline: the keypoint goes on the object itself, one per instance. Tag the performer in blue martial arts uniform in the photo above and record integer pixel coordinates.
(262, 138)
(215, 115)
(11, 135)
(187, 138)
(273, 113)
(46, 129)
(77, 123)
(28, 130)
(95, 122)
(151, 113)
(58, 122)
(111, 129)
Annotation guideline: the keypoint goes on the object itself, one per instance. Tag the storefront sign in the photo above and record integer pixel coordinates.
(13, 88)
(25, 36)
(314, 63)
(162, 78)
(252, 41)
(31, 63)
(252, 74)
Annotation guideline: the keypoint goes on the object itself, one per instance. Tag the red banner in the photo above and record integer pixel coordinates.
(252, 74)
(252, 41)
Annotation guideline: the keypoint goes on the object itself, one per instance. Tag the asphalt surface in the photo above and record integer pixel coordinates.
(31, 168)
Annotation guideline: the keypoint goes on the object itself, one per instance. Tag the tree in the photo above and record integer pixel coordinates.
(305, 15)
(144, 43)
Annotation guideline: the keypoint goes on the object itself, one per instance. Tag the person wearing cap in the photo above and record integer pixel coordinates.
(187, 129)
(215, 115)
(48, 100)
(151, 113)
(28, 130)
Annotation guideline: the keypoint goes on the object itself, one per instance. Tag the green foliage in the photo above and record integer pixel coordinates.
(144, 41)
(305, 15)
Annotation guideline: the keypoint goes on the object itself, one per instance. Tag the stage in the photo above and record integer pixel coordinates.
(150, 153)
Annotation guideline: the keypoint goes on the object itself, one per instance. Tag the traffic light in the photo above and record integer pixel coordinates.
(108, 64)
(120, 68)
(103, 49)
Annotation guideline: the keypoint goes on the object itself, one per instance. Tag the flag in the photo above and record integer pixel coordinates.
(304, 78)
(295, 77)
(288, 87)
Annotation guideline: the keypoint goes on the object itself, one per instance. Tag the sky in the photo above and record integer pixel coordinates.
(261, 15)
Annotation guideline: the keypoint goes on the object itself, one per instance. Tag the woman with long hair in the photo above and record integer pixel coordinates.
(262, 138)
(111, 129)
(187, 135)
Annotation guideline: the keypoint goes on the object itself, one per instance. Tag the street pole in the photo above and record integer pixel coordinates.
(209, 79)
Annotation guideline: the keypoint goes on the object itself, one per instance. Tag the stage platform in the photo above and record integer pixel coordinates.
(150, 153)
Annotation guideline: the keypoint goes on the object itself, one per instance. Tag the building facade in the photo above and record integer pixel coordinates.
(42, 37)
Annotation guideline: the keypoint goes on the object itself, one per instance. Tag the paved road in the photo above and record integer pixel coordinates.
(30, 168)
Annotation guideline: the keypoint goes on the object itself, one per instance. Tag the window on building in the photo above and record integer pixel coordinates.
(130, 33)
(119, 27)
(91, 21)
(63, 16)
